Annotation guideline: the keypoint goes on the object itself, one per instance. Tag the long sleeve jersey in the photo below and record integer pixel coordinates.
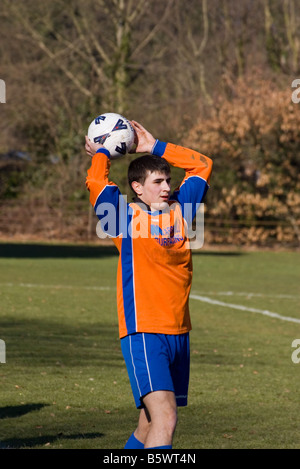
(155, 264)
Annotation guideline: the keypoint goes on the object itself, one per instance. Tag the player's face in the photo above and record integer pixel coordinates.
(156, 190)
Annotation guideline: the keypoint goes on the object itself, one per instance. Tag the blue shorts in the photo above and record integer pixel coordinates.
(157, 362)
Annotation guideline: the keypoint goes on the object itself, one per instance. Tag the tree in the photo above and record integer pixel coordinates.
(282, 39)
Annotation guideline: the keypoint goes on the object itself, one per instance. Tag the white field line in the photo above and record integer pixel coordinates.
(265, 312)
(57, 287)
(204, 299)
(248, 294)
(100, 288)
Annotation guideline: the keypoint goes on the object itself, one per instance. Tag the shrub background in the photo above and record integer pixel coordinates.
(215, 76)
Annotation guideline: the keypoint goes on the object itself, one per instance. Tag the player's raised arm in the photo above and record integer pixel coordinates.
(195, 184)
(105, 195)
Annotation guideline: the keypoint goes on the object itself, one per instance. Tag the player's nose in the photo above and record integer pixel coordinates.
(165, 186)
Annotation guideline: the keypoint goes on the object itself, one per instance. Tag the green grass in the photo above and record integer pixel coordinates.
(64, 383)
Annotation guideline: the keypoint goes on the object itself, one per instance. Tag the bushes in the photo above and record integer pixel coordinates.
(254, 142)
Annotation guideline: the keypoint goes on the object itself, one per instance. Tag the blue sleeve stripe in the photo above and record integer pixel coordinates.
(194, 176)
(158, 148)
(107, 208)
(128, 285)
(190, 194)
(100, 193)
(103, 150)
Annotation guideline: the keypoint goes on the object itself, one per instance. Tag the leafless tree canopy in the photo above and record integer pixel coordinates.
(211, 74)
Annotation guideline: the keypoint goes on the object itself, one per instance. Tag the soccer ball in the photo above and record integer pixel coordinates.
(114, 132)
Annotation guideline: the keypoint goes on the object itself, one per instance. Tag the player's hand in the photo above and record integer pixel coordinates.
(144, 140)
(91, 147)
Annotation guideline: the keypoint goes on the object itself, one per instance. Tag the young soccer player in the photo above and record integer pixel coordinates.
(154, 274)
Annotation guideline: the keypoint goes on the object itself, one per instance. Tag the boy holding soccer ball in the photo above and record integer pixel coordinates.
(154, 274)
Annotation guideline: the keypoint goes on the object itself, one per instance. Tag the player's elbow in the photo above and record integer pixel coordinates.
(208, 169)
(210, 163)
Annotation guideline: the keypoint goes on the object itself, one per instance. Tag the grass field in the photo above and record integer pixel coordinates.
(64, 383)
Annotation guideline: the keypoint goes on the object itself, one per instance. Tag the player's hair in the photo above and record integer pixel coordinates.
(140, 167)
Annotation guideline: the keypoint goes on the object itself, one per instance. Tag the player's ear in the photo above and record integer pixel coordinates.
(137, 188)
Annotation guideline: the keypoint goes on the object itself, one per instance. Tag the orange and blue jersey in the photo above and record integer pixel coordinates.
(155, 265)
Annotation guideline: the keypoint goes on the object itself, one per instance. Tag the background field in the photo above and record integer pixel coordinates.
(64, 383)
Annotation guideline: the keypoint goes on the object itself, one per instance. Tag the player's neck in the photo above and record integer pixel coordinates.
(159, 207)
(139, 201)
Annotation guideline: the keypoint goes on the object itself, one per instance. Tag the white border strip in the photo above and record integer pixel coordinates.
(205, 299)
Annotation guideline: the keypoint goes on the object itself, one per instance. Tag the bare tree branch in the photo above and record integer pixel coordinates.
(41, 44)
(154, 30)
